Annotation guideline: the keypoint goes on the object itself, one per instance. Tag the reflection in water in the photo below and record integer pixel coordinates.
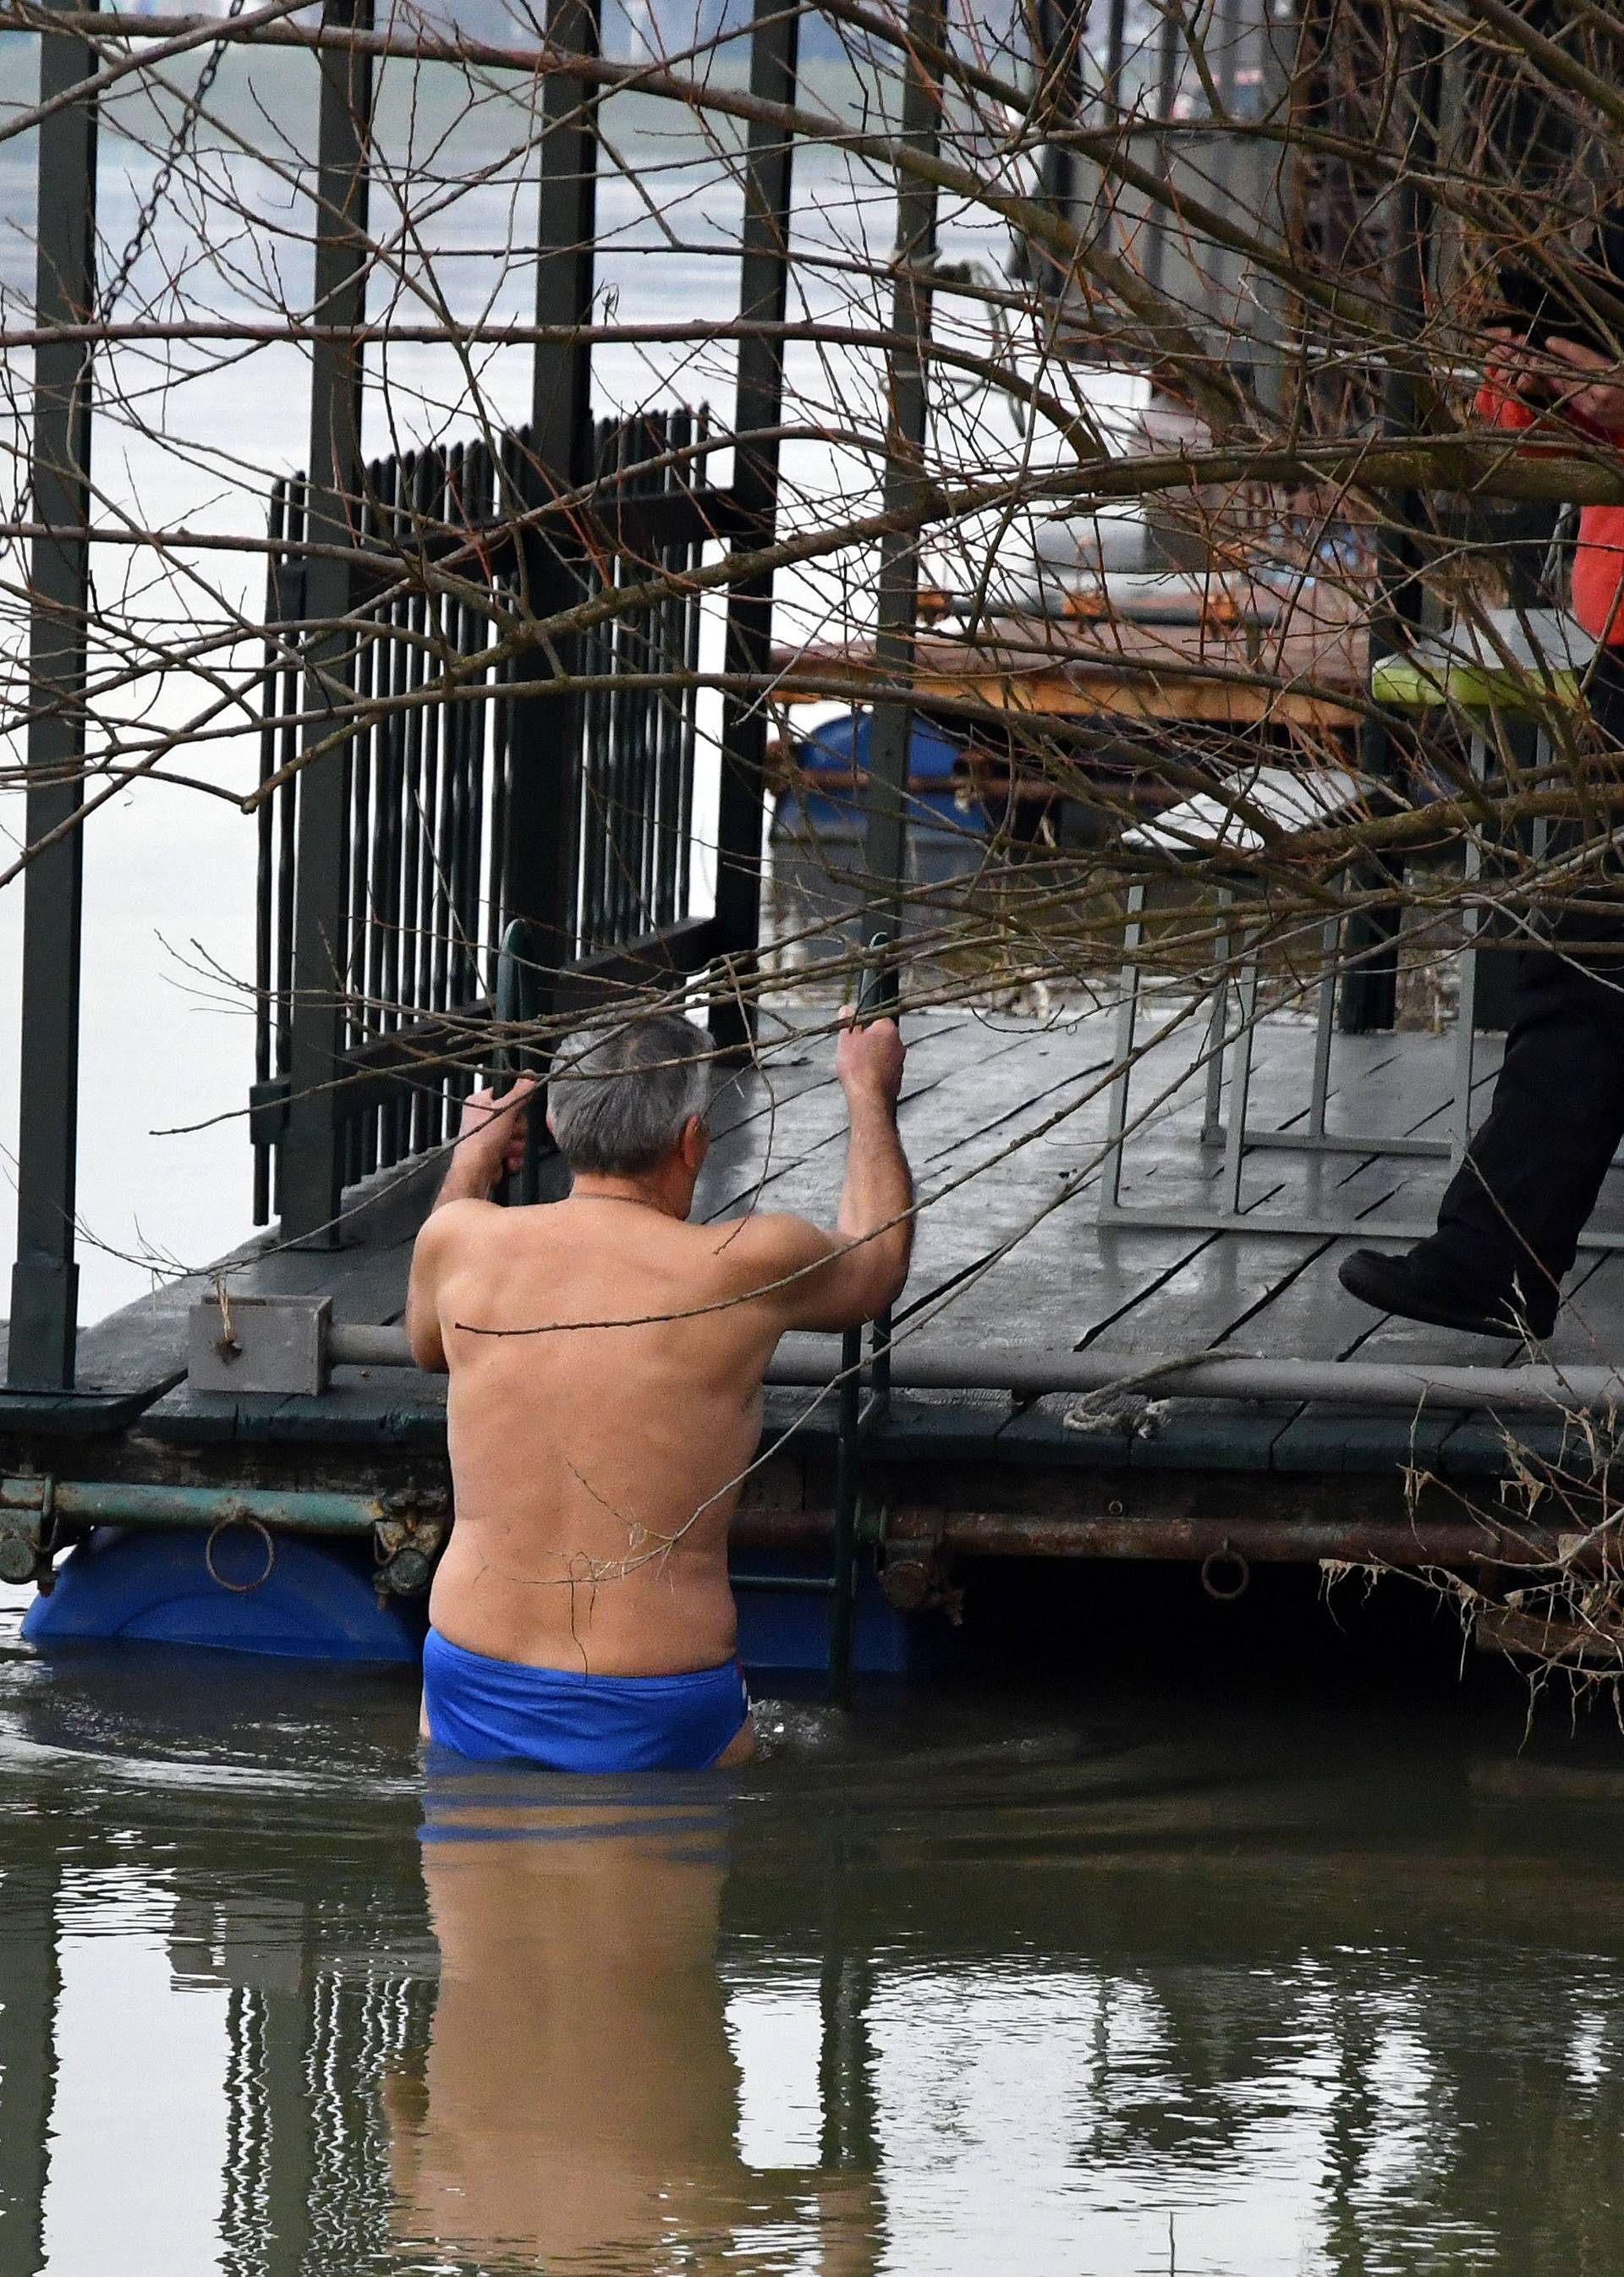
(580, 2098)
(1168, 1985)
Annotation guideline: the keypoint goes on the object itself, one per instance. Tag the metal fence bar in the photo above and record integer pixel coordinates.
(419, 771)
(45, 1277)
(439, 819)
(427, 782)
(266, 825)
(287, 812)
(848, 1491)
(1122, 1077)
(692, 621)
(391, 792)
(370, 663)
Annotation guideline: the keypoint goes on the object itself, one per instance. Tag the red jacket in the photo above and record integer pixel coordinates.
(1598, 573)
(1599, 562)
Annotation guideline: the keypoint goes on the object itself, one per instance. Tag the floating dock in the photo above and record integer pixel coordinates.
(1015, 1283)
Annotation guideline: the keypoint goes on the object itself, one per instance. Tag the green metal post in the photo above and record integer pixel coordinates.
(45, 1277)
(312, 1162)
(897, 606)
(540, 879)
(757, 409)
(1369, 983)
(513, 1006)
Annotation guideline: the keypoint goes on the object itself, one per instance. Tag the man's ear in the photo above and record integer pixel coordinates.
(694, 1143)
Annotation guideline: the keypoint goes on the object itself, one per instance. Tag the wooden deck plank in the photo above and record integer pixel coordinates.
(798, 1148)
(1308, 1314)
(1590, 1329)
(1312, 1316)
(1228, 1290)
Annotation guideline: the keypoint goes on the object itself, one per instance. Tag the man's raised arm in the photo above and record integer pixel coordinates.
(490, 1140)
(839, 1280)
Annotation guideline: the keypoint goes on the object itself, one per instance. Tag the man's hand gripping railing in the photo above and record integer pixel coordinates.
(876, 999)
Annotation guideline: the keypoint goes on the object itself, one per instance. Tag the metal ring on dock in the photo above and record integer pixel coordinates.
(1216, 1561)
(241, 1518)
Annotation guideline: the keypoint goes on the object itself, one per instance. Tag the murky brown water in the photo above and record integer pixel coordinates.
(1152, 1979)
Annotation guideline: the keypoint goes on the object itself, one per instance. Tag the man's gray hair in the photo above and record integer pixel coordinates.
(622, 1091)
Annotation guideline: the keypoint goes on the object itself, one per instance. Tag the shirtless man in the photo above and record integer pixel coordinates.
(581, 1616)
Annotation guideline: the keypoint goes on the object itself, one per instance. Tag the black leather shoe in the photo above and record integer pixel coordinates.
(1406, 1284)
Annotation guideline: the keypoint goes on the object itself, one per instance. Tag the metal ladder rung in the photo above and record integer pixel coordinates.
(788, 1585)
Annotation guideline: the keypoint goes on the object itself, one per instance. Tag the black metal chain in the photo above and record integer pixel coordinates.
(147, 215)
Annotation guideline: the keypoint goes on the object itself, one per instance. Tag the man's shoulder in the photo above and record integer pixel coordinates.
(769, 1240)
(453, 1224)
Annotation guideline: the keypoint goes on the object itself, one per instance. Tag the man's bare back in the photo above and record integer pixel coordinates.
(597, 1468)
(597, 1463)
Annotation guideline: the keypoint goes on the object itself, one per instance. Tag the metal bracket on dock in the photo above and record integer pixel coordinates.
(408, 1541)
(916, 1575)
(260, 1343)
(28, 1533)
(281, 1346)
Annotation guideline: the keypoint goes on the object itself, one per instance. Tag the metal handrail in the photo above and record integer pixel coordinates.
(1030, 1372)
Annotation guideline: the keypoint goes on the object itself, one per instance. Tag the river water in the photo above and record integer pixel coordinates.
(1207, 1968)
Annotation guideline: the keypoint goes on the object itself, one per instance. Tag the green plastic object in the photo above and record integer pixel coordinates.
(1403, 685)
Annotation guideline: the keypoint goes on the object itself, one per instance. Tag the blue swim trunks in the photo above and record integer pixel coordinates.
(501, 1712)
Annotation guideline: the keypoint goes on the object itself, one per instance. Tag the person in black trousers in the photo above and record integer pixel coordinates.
(1508, 1228)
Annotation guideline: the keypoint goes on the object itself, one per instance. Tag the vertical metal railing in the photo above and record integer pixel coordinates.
(273, 929)
(863, 1400)
(540, 876)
